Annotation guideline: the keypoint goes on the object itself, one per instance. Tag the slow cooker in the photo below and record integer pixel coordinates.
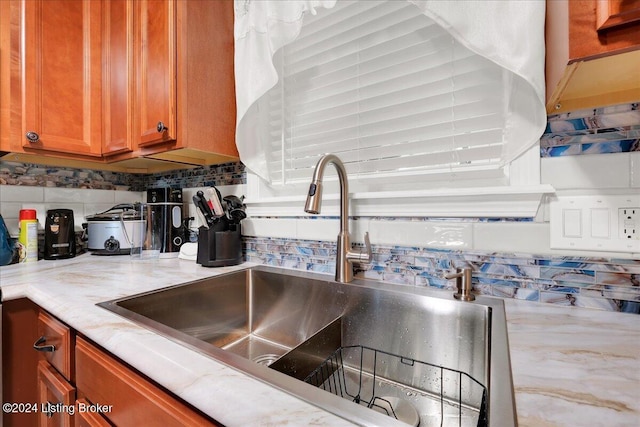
(112, 231)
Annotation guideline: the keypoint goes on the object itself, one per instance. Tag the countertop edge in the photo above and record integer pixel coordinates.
(566, 361)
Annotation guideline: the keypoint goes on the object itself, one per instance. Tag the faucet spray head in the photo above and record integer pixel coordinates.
(314, 198)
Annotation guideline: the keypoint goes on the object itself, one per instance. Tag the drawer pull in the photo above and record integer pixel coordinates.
(32, 137)
(160, 127)
(46, 348)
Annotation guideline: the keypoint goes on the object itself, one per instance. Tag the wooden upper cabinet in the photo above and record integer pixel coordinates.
(5, 73)
(180, 96)
(143, 85)
(155, 53)
(593, 53)
(139, 74)
(617, 14)
(602, 27)
(61, 75)
(118, 76)
(205, 88)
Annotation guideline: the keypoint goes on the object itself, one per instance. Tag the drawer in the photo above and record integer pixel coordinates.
(55, 397)
(55, 344)
(129, 398)
(86, 418)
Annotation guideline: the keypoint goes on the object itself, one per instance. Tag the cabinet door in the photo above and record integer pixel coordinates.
(19, 361)
(128, 398)
(55, 344)
(55, 397)
(612, 14)
(61, 75)
(118, 76)
(89, 418)
(602, 27)
(155, 108)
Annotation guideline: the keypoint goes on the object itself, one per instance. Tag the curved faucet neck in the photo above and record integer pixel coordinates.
(344, 255)
(344, 186)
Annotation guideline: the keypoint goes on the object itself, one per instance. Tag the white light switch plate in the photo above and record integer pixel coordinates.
(596, 223)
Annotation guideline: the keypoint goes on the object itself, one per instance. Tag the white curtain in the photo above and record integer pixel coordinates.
(509, 33)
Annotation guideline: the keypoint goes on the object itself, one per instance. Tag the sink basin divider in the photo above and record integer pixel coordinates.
(265, 321)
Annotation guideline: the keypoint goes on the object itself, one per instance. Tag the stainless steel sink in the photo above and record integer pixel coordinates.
(303, 332)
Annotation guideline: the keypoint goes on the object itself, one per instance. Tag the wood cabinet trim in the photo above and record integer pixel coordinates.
(50, 381)
(576, 48)
(19, 362)
(103, 380)
(609, 17)
(162, 43)
(59, 335)
(118, 60)
(83, 102)
(202, 104)
(89, 418)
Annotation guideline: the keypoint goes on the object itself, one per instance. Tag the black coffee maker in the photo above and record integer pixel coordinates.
(59, 234)
(166, 206)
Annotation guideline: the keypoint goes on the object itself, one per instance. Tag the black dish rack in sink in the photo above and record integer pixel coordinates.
(416, 392)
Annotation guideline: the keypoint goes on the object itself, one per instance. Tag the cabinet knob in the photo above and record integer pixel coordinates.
(33, 137)
(161, 127)
(46, 348)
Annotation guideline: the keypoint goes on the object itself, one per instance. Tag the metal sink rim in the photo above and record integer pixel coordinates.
(501, 396)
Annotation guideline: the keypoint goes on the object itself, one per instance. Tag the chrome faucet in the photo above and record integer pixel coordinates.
(345, 256)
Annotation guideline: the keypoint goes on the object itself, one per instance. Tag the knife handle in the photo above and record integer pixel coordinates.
(214, 198)
(202, 213)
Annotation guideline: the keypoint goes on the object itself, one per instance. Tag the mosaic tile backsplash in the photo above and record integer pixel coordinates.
(605, 284)
(12, 173)
(224, 174)
(27, 174)
(613, 129)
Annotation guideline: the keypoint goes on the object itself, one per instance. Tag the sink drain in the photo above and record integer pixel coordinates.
(398, 408)
(266, 359)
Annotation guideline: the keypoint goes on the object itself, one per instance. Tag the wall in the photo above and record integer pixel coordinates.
(86, 192)
(510, 258)
(593, 152)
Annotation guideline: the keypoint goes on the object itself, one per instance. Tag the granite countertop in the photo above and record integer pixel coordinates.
(571, 366)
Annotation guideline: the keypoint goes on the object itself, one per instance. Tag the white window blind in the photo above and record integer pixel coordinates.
(389, 91)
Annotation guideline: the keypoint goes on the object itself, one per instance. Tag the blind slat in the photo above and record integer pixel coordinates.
(387, 90)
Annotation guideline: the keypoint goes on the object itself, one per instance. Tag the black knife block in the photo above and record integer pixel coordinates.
(218, 247)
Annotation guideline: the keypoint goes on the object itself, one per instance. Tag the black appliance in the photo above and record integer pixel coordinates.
(166, 205)
(59, 234)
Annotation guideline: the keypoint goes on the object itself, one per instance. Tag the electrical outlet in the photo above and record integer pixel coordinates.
(607, 223)
(629, 223)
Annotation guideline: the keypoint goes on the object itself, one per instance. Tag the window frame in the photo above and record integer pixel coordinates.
(520, 198)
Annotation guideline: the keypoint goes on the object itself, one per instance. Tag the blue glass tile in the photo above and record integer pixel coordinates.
(564, 126)
(564, 150)
(567, 275)
(608, 147)
(563, 289)
(630, 307)
(491, 281)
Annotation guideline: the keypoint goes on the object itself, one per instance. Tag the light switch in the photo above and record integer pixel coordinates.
(600, 223)
(572, 222)
(595, 223)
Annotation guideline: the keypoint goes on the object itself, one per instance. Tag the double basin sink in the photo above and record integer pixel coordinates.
(413, 355)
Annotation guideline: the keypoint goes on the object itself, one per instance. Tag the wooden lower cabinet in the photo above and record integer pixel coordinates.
(71, 382)
(19, 360)
(124, 396)
(89, 418)
(56, 398)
